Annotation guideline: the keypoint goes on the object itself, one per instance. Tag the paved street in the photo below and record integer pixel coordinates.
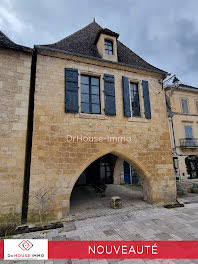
(85, 202)
(146, 224)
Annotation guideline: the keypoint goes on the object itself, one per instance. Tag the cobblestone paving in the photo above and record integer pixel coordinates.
(85, 202)
(146, 224)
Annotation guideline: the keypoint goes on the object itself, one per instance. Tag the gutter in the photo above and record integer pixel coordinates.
(29, 140)
(18, 48)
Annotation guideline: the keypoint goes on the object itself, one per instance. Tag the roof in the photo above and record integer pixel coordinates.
(182, 87)
(5, 42)
(187, 86)
(82, 43)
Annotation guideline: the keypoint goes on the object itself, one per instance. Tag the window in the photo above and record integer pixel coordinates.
(189, 136)
(197, 106)
(108, 47)
(184, 106)
(188, 131)
(135, 102)
(90, 94)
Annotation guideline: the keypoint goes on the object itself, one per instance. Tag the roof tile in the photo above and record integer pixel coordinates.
(5, 42)
(82, 42)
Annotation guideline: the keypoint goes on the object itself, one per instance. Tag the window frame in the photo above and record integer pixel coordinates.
(196, 106)
(191, 128)
(189, 140)
(131, 108)
(90, 103)
(186, 105)
(107, 50)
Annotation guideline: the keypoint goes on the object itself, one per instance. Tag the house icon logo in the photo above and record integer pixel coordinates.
(25, 245)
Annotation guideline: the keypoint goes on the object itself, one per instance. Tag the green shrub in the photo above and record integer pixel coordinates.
(7, 229)
(194, 188)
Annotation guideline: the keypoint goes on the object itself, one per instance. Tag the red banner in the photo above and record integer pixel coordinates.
(1, 249)
(123, 249)
(119, 249)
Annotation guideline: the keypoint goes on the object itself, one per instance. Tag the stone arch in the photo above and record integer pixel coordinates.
(138, 166)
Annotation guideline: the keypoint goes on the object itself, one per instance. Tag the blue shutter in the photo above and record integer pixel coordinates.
(188, 132)
(126, 97)
(71, 90)
(109, 93)
(189, 136)
(147, 107)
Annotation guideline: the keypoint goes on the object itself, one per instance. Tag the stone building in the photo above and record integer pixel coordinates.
(96, 104)
(15, 69)
(182, 102)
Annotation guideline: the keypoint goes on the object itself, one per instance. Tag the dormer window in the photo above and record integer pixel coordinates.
(108, 47)
(106, 42)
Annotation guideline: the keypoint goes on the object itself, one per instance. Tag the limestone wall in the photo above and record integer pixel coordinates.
(57, 164)
(14, 94)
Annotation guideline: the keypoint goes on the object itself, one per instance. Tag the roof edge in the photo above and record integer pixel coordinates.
(19, 48)
(7, 43)
(183, 87)
(99, 59)
(187, 86)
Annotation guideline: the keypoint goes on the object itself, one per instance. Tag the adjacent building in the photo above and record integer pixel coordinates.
(182, 106)
(15, 72)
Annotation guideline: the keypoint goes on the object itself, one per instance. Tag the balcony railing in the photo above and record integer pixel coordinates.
(189, 142)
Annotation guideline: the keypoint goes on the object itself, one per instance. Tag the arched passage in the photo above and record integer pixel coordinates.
(158, 186)
(105, 170)
(138, 166)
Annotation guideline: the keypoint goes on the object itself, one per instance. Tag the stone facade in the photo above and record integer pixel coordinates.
(57, 161)
(15, 69)
(57, 164)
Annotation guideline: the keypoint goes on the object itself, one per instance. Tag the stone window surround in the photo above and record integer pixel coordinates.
(187, 105)
(102, 116)
(184, 133)
(140, 103)
(114, 46)
(80, 94)
(196, 108)
(140, 118)
(88, 115)
(112, 43)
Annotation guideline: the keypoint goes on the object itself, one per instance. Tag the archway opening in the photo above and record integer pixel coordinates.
(192, 166)
(104, 178)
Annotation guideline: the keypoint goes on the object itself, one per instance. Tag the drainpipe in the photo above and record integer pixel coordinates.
(29, 140)
(173, 132)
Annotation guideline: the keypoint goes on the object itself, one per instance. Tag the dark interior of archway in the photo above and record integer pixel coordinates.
(98, 172)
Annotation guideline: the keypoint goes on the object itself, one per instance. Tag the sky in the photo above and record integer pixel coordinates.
(164, 33)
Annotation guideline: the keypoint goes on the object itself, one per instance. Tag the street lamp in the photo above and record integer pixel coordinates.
(176, 82)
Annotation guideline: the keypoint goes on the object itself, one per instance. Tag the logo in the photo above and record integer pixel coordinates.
(25, 245)
(25, 249)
